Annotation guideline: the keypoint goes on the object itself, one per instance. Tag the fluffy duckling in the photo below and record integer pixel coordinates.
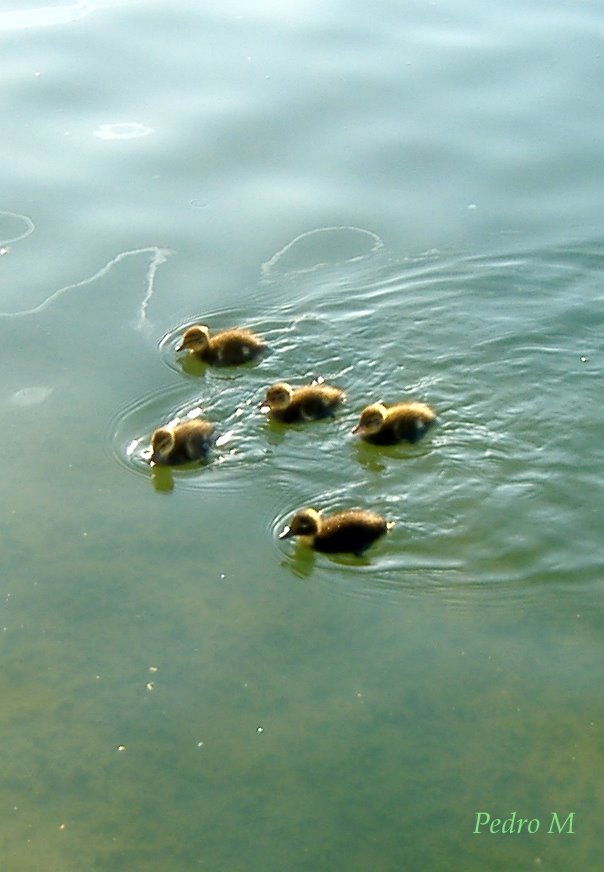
(296, 405)
(227, 348)
(182, 442)
(387, 425)
(350, 531)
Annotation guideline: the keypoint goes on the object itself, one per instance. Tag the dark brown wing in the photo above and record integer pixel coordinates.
(349, 532)
(193, 440)
(234, 347)
(312, 402)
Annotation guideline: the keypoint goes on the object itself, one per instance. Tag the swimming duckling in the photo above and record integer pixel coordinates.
(350, 531)
(387, 425)
(308, 403)
(182, 442)
(227, 348)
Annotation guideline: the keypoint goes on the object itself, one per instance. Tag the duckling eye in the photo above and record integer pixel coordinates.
(306, 526)
(277, 396)
(373, 419)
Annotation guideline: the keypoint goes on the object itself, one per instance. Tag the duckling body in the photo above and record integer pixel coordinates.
(351, 531)
(183, 442)
(401, 422)
(227, 348)
(308, 403)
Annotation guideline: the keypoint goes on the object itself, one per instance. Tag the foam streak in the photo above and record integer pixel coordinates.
(159, 256)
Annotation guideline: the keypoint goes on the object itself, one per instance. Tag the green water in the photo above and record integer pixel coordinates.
(406, 201)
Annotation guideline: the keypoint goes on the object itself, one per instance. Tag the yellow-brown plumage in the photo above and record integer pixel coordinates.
(227, 348)
(387, 425)
(352, 531)
(306, 403)
(182, 442)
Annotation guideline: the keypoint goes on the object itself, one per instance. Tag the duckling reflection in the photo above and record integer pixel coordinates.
(401, 422)
(182, 442)
(301, 562)
(162, 479)
(307, 403)
(226, 348)
(351, 531)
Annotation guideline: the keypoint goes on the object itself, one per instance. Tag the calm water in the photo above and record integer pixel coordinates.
(405, 199)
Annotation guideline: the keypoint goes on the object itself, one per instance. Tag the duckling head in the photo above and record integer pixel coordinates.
(195, 338)
(162, 443)
(304, 523)
(371, 420)
(279, 396)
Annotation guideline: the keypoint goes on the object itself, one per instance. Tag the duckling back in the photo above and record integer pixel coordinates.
(352, 531)
(234, 347)
(308, 403)
(194, 439)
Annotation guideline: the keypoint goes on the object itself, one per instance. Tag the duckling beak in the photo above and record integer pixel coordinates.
(286, 532)
(357, 429)
(180, 347)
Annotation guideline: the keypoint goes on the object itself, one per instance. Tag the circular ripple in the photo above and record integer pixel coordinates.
(185, 364)
(233, 453)
(397, 563)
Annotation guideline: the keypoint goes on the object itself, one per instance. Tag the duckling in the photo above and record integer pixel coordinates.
(349, 531)
(227, 348)
(387, 425)
(182, 442)
(307, 403)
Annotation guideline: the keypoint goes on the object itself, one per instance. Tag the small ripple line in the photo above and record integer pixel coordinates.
(160, 255)
(267, 267)
(30, 226)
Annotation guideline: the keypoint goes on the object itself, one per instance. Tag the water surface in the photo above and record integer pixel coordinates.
(406, 203)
